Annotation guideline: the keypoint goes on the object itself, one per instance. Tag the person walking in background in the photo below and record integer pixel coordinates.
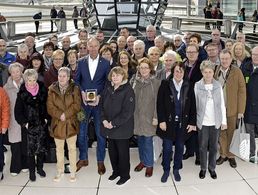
(53, 14)
(254, 19)
(220, 16)
(241, 17)
(83, 14)
(208, 15)
(37, 17)
(75, 15)
(61, 15)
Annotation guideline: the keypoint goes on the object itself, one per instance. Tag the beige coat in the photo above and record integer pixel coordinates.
(14, 130)
(145, 106)
(235, 91)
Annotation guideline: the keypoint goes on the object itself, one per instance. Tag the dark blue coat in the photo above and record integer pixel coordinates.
(83, 78)
(251, 111)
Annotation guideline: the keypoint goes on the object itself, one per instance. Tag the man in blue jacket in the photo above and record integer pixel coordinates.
(91, 76)
(5, 60)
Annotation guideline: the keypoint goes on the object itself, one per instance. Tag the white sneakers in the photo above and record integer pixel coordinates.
(14, 174)
(25, 170)
(58, 177)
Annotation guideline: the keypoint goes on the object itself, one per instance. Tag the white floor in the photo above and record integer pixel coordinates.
(240, 181)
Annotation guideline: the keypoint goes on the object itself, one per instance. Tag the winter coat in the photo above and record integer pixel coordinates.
(32, 110)
(166, 109)
(50, 76)
(117, 107)
(61, 14)
(4, 110)
(69, 104)
(251, 112)
(235, 91)
(75, 13)
(196, 74)
(145, 105)
(14, 130)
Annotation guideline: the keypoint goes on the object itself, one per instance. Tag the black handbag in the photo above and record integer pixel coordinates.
(50, 156)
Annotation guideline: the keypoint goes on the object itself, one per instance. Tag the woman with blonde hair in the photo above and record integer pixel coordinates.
(240, 56)
(117, 116)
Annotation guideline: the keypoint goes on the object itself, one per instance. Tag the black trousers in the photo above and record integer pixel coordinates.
(37, 27)
(119, 154)
(19, 157)
(75, 22)
(32, 162)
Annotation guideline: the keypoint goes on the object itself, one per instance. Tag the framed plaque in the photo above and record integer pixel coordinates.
(91, 95)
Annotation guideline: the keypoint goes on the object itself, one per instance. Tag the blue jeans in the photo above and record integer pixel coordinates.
(1, 153)
(83, 135)
(167, 152)
(145, 147)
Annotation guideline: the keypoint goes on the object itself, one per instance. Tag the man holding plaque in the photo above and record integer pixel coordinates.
(91, 76)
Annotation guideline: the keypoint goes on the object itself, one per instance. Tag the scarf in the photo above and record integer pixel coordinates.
(33, 90)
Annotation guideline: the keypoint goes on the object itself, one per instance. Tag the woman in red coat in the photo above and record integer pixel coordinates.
(4, 123)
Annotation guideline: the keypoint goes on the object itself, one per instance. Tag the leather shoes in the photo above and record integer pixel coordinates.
(101, 168)
(187, 155)
(113, 177)
(221, 160)
(139, 167)
(213, 174)
(202, 174)
(232, 162)
(149, 172)
(81, 163)
(197, 162)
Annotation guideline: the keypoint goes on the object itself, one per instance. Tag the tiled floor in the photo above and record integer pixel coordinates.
(240, 181)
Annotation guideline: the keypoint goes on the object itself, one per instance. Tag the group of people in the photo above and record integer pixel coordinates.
(188, 94)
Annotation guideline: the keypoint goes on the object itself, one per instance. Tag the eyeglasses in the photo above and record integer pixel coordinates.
(144, 68)
(191, 52)
(215, 34)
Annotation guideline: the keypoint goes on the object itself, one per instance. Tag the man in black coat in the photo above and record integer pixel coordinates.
(37, 17)
(176, 111)
(53, 14)
(250, 72)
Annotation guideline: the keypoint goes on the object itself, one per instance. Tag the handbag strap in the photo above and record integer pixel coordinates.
(241, 125)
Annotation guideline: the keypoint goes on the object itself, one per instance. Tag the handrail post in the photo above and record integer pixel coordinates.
(228, 27)
(176, 23)
(11, 29)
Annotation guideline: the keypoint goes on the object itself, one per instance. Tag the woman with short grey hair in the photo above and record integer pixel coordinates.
(63, 104)
(16, 135)
(211, 117)
(23, 55)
